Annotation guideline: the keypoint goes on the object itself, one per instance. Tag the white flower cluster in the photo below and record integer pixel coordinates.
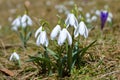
(94, 15)
(23, 21)
(62, 34)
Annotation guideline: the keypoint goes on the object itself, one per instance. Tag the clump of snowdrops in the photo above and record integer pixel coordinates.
(22, 25)
(66, 53)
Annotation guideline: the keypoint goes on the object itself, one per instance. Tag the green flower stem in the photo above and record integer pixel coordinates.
(69, 54)
(60, 70)
(47, 57)
(69, 60)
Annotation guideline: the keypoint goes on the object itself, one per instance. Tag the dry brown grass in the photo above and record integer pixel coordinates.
(106, 49)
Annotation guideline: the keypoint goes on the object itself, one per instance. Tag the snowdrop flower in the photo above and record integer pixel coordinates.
(55, 32)
(87, 15)
(82, 30)
(103, 17)
(71, 21)
(64, 34)
(14, 56)
(41, 37)
(110, 15)
(26, 21)
(94, 18)
(97, 12)
(88, 20)
(16, 23)
(109, 18)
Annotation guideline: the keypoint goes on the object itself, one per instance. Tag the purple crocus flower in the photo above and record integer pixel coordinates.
(103, 16)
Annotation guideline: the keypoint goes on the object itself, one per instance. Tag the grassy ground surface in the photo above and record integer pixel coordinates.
(105, 64)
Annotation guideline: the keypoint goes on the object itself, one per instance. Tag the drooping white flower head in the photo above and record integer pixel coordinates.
(16, 23)
(71, 21)
(94, 18)
(64, 34)
(41, 36)
(110, 17)
(97, 12)
(82, 30)
(87, 15)
(38, 31)
(55, 32)
(42, 39)
(14, 56)
(26, 21)
(88, 20)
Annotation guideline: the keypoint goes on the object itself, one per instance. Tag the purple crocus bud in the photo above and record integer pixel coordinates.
(103, 16)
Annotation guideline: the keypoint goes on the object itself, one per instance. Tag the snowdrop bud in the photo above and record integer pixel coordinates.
(71, 21)
(14, 56)
(55, 32)
(38, 31)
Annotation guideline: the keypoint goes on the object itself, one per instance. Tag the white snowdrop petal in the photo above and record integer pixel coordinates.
(62, 37)
(46, 42)
(24, 24)
(43, 37)
(11, 57)
(38, 41)
(38, 31)
(81, 28)
(24, 18)
(109, 19)
(29, 22)
(69, 38)
(72, 20)
(110, 15)
(76, 32)
(86, 32)
(55, 32)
